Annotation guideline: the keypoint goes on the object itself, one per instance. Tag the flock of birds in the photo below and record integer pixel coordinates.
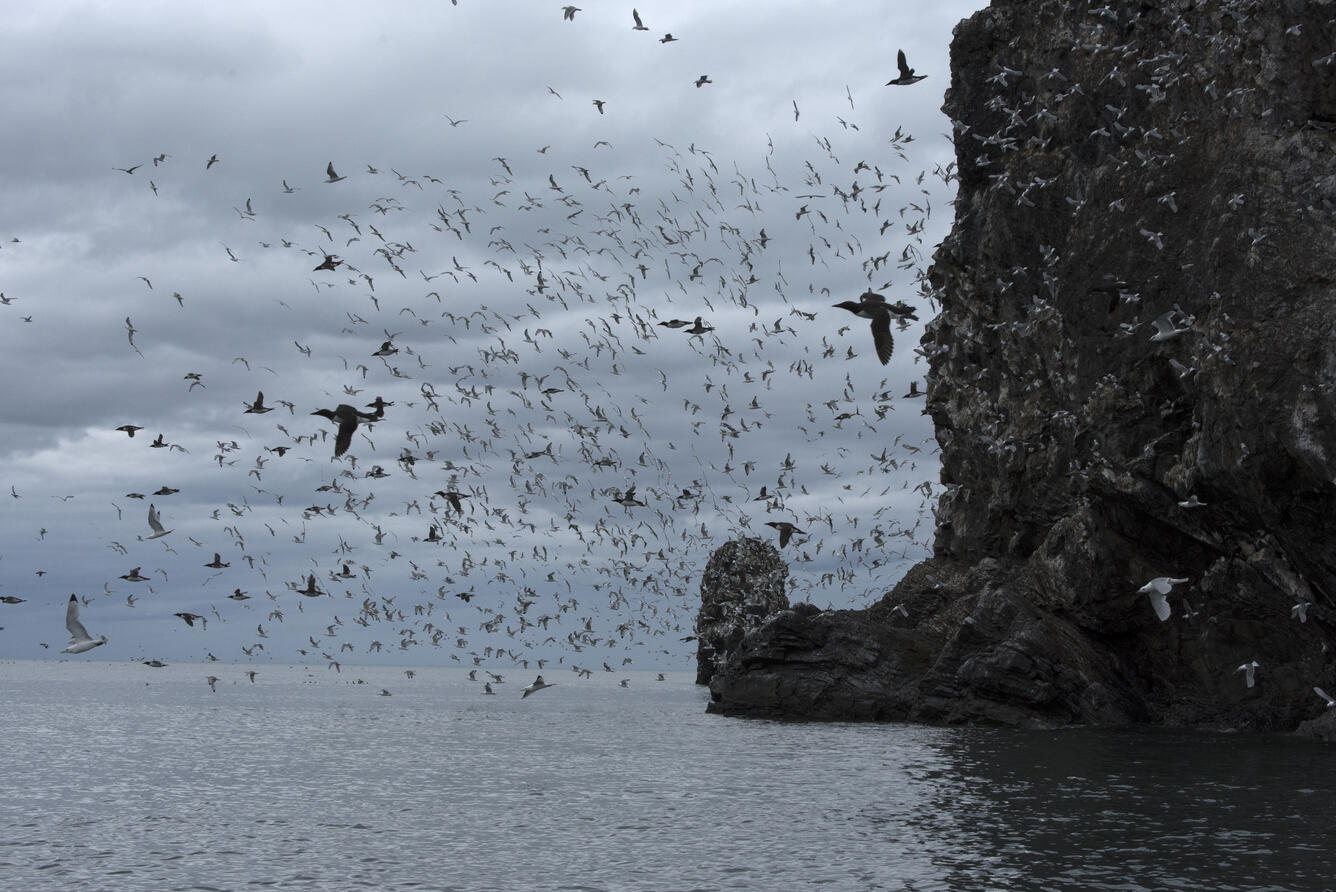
(527, 466)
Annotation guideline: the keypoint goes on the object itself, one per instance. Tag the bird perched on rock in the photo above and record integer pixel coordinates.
(907, 75)
(347, 418)
(874, 307)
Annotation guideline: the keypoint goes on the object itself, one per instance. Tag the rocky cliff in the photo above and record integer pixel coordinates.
(1131, 377)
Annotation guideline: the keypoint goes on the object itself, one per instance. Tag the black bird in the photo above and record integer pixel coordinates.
(873, 306)
(907, 75)
(786, 530)
(347, 418)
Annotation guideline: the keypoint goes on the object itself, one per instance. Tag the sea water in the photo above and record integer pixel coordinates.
(121, 776)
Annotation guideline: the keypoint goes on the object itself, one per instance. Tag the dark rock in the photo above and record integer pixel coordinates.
(743, 584)
(1171, 161)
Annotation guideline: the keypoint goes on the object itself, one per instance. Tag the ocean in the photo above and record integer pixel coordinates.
(123, 777)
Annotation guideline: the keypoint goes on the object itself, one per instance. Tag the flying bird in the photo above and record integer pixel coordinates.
(347, 418)
(1249, 671)
(639, 25)
(80, 640)
(874, 307)
(331, 176)
(568, 12)
(786, 530)
(907, 75)
(538, 685)
(155, 524)
(1156, 590)
(703, 80)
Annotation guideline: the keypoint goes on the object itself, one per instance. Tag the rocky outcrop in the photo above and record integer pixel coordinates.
(743, 584)
(1132, 376)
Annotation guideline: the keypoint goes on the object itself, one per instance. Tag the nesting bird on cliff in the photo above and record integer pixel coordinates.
(873, 306)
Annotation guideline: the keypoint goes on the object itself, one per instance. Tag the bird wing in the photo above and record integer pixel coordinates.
(881, 336)
(77, 631)
(902, 64)
(153, 522)
(345, 436)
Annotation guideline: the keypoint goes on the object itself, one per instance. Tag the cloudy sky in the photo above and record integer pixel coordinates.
(518, 249)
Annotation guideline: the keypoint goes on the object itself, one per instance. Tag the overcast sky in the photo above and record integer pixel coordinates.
(518, 248)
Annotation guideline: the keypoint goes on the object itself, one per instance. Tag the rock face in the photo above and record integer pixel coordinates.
(1132, 376)
(743, 584)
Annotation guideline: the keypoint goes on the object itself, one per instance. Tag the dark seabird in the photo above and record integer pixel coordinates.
(347, 418)
(907, 75)
(129, 429)
(786, 530)
(638, 26)
(258, 407)
(873, 306)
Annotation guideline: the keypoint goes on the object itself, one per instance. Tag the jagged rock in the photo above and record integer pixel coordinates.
(1137, 310)
(743, 584)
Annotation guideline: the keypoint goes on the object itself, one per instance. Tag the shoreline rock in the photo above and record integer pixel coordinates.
(1133, 375)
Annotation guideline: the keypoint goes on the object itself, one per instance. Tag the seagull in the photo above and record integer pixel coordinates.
(873, 306)
(347, 418)
(1170, 325)
(212, 680)
(907, 75)
(155, 524)
(332, 177)
(487, 688)
(568, 12)
(703, 80)
(786, 530)
(1249, 671)
(639, 25)
(598, 103)
(1192, 502)
(1300, 611)
(538, 685)
(1331, 701)
(80, 640)
(1156, 590)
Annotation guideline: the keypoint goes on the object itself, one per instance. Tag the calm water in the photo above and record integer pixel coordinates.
(118, 776)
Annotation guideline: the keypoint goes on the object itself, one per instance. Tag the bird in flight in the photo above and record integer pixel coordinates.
(80, 640)
(703, 80)
(568, 12)
(258, 407)
(786, 530)
(907, 75)
(129, 170)
(598, 104)
(347, 418)
(538, 685)
(331, 176)
(639, 25)
(873, 306)
(155, 524)
(1156, 590)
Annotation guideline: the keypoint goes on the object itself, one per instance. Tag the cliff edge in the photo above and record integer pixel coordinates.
(1131, 377)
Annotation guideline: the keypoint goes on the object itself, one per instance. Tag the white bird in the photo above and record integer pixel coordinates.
(538, 685)
(1249, 671)
(155, 524)
(80, 640)
(1300, 611)
(1192, 502)
(1156, 590)
(1171, 324)
(1331, 701)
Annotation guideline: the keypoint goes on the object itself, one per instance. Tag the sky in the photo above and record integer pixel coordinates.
(511, 251)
